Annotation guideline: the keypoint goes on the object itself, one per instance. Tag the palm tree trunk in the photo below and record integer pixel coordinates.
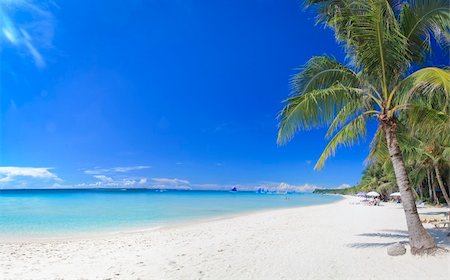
(433, 189)
(419, 239)
(441, 183)
(420, 191)
(430, 192)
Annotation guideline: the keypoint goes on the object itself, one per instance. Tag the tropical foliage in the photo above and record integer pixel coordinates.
(385, 42)
(427, 159)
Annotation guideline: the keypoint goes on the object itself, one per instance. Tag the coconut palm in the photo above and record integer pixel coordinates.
(432, 150)
(384, 41)
(426, 153)
(378, 177)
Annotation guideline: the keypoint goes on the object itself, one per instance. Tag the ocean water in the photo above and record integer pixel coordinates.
(66, 212)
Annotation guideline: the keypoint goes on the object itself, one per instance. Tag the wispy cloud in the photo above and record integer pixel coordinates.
(118, 177)
(268, 186)
(12, 173)
(108, 182)
(104, 178)
(170, 181)
(343, 186)
(31, 35)
(121, 169)
(135, 182)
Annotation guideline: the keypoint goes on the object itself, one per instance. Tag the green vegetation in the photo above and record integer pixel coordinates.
(352, 190)
(427, 160)
(385, 41)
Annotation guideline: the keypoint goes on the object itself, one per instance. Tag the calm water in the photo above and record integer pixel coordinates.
(61, 212)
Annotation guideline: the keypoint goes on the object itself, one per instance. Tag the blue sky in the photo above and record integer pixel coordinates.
(158, 93)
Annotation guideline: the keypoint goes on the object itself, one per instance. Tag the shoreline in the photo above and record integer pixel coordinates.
(168, 225)
(337, 240)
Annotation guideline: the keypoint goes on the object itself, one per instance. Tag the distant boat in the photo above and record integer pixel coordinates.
(234, 189)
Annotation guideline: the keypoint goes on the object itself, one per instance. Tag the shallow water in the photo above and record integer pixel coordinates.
(64, 212)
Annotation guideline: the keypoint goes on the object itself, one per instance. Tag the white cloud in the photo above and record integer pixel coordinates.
(284, 187)
(306, 188)
(31, 31)
(12, 173)
(170, 181)
(343, 186)
(115, 182)
(9, 36)
(104, 178)
(267, 186)
(37, 57)
(121, 169)
(143, 181)
(115, 177)
(129, 168)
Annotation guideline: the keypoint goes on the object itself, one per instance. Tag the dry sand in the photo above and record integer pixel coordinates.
(334, 241)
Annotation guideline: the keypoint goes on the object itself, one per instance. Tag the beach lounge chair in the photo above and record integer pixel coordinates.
(441, 224)
(432, 218)
(421, 205)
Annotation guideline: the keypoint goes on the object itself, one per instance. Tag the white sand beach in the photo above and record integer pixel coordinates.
(335, 241)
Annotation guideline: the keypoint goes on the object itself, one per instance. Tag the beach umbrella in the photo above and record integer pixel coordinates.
(395, 194)
(373, 194)
(363, 194)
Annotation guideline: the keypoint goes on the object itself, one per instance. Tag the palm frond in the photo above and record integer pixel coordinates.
(354, 108)
(332, 13)
(376, 43)
(378, 149)
(347, 136)
(427, 80)
(322, 72)
(428, 86)
(318, 92)
(421, 20)
(426, 120)
(446, 154)
(312, 109)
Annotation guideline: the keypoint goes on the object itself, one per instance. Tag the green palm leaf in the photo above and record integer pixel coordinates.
(347, 136)
(422, 19)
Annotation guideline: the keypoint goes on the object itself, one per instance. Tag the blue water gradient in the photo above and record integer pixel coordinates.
(64, 212)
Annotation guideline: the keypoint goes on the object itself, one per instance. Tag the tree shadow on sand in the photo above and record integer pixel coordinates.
(440, 236)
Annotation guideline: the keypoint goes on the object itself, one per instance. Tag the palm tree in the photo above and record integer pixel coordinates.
(384, 40)
(378, 177)
(433, 150)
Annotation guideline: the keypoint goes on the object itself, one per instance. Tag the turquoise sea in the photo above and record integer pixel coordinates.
(42, 213)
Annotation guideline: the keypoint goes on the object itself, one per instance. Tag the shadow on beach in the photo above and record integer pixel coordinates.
(439, 235)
